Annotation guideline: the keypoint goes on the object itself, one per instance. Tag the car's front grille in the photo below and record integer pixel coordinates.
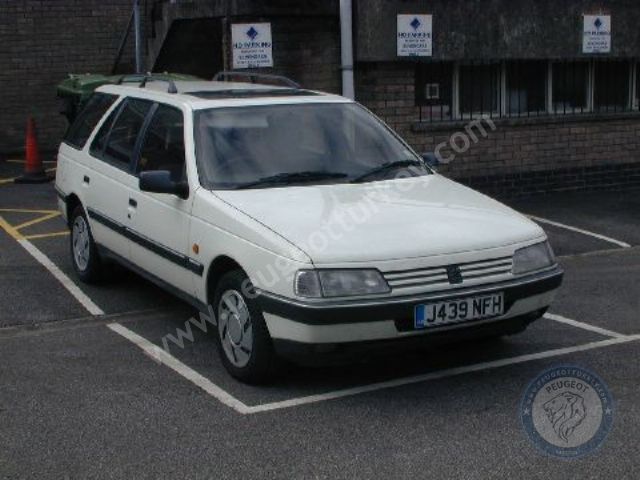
(448, 275)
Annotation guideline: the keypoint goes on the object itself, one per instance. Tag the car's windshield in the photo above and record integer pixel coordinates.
(275, 145)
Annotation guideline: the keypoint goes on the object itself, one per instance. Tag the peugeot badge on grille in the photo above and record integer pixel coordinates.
(454, 274)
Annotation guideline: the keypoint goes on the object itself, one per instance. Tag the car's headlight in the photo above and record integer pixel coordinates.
(534, 257)
(339, 283)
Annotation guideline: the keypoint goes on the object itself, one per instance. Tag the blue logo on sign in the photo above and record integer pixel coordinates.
(252, 33)
(598, 23)
(567, 411)
(415, 23)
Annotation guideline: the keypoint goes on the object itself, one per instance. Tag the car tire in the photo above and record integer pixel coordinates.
(242, 337)
(84, 252)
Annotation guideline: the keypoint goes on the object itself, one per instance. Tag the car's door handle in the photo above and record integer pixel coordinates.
(133, 203)
(86, 179)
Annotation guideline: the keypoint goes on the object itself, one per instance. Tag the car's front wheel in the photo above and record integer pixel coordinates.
(243, 339)
(84, 253)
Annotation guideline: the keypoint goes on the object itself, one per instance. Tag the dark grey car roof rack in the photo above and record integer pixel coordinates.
(250, 93)
(255, 77)
(143, 79)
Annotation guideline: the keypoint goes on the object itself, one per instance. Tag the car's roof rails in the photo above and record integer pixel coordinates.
(255, 78)
(144, 78)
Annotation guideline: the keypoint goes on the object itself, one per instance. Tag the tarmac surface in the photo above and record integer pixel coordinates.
(83, 395)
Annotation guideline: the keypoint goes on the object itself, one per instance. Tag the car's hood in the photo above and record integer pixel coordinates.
(394, 219)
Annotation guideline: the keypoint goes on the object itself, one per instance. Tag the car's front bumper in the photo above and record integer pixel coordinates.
(325, 324)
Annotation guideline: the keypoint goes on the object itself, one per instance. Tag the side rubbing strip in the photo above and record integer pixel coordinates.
(151, 245)
(61, 195)
(107, 222)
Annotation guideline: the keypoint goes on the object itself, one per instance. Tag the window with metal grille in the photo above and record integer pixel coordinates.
(454, 91)
(525, 87)
(570, 81)
(433, 91)
(636, 74)
(479, 87)
(611, 82)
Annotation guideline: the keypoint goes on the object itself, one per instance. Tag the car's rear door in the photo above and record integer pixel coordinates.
(74, 163)
(112, 181)
(161, 222)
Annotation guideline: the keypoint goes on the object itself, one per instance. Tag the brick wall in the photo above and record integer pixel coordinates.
(519, 156)
(45, 40)
(42, 41)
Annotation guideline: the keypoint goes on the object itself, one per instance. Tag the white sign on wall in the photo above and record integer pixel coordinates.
(414, 36)
(596, 36)
(251, 44)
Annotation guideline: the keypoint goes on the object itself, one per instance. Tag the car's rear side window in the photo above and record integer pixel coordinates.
(80, 131)
(116, 140)
(100, 140)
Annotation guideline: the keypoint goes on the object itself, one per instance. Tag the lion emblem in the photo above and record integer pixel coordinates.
(565, 412)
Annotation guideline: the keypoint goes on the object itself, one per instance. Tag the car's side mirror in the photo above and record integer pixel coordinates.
(159, 181)
(431, 159)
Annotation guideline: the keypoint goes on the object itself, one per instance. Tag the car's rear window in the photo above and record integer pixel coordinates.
(86, 121)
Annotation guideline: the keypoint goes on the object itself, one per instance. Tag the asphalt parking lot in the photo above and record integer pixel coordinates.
(85, 395)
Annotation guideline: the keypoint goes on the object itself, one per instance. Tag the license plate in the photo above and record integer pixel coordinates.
(460, 310)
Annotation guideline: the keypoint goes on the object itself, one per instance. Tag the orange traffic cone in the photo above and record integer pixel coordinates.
(33, 169)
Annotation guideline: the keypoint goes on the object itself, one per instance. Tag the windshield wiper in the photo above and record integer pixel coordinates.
(385, 167)
(292, 177)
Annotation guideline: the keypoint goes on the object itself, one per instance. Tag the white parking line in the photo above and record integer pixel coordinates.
(66, 282)
(159, 355)
(41, 258)
(584, 326)
(582, 231)
(450, 372)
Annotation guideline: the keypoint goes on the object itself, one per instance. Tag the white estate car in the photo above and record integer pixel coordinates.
(306, 224)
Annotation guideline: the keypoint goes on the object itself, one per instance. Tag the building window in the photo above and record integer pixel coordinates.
(453, 91)
(433, 90)
(636, 90)
(479, 89)
(611, 85)
(525, 87)
(570, 82)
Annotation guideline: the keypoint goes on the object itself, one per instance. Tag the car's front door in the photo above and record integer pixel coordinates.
(161, 222)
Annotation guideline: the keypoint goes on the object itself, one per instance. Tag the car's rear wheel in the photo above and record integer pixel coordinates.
(84, 253)
(243, 339)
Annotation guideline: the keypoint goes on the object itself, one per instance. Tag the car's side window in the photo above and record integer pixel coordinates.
(80, 130)
(116, 141)
(163, 146)
(122, 140)
(100, 140)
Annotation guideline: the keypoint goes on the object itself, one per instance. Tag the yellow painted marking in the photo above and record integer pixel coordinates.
(43, 218)
(12, 232)
(26, 210)
(47, 235)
